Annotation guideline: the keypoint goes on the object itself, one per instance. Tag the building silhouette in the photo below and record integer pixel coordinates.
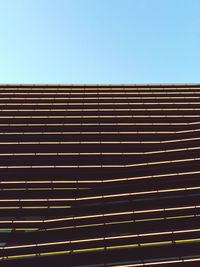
(100, 175)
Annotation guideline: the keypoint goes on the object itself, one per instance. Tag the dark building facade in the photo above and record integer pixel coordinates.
(100, 175)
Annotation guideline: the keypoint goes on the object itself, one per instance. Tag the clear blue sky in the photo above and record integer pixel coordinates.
(99, 41)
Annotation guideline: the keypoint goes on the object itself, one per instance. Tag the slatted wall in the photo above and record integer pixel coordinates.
(100, 175)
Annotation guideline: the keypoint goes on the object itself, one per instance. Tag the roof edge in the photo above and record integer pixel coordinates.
(137, 85)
